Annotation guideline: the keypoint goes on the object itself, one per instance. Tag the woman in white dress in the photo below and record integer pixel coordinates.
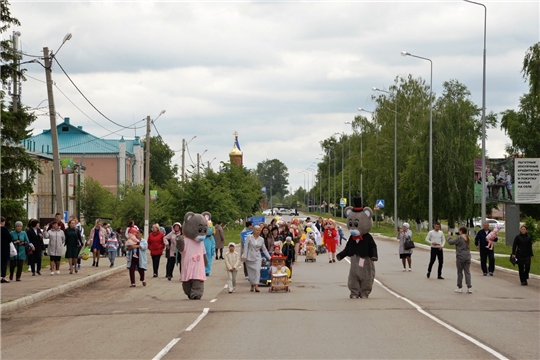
(252, 257)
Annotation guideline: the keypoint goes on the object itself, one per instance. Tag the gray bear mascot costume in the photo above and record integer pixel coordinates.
(194, 258)
(361, 248)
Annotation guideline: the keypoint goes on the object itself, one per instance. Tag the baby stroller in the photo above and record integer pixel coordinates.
(280, 275)
(266, 270)
(321, 249)
(311, 251)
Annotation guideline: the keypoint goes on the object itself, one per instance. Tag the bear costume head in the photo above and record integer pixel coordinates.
(329, 223)
(359, 219)
(195, 225)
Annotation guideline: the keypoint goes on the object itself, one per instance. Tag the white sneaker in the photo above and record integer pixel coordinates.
(458, 290)
(469, 290)
(52, 272)
(404, 270)
(58, 272)
(410, 269)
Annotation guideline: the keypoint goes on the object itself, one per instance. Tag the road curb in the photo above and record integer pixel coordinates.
(427, 247)
(57, 290)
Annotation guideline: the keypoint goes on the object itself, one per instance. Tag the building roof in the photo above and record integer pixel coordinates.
(74, 140)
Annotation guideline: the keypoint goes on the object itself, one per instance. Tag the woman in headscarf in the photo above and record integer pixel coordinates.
(252, 257)
(20, 240)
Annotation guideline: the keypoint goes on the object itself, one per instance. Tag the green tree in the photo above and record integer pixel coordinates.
(523, 126)
(96, 201)
(274, 175)
(15, 160)
(161, 168)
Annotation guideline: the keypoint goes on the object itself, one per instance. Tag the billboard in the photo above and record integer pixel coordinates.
(527, 175)
(67, 165)
(498, 181)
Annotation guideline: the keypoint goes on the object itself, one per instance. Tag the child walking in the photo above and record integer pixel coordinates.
(112, 248)
(232, 263)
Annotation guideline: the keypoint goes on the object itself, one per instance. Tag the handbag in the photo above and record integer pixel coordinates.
(408, 244)
(513, 260)
(12, 250)
(29, 248)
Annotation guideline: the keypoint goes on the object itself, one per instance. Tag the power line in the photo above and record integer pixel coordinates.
(80, 92)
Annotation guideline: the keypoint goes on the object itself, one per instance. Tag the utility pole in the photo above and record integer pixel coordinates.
(147, 180)
(15, 40)
(198, 159)
(54, 133)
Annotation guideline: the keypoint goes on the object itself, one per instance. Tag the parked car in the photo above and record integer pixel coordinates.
(45, 246)
(492, 223)
(267, 212)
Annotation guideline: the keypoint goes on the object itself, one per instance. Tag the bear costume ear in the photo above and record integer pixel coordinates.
(188, 216)
(207, 215)
(348, 210)
(368, 212)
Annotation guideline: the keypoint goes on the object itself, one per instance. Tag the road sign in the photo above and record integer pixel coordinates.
(342, 202)
(379, 204)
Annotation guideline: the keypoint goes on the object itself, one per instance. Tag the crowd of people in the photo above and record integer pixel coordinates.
(288, 239)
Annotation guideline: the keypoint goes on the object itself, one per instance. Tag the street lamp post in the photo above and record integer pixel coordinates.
(483, 116)
(147, 177)
(395, 156)
(303, 172)
(329, 152)
(199, 158)
(362, 157)
(342, 175)
(404, 53)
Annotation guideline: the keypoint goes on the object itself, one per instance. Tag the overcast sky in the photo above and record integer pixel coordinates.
(284, 75)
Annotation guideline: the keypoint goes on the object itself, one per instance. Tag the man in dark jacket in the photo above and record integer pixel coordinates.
(5, 241)
(480, 242)
(35, 236)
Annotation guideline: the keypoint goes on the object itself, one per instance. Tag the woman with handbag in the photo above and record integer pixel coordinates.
(35, 236)
(20, 240)
(405, 251)
(522, 252)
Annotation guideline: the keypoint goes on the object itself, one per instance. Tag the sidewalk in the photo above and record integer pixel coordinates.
(31, 289)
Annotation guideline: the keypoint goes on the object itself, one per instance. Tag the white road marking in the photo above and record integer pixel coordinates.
(213, 300)
(440, 322)
(205, 311)
(166, 349)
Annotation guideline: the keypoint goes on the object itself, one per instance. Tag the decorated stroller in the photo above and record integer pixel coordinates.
(280, 274)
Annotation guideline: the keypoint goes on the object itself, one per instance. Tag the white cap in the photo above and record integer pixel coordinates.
(406, 225)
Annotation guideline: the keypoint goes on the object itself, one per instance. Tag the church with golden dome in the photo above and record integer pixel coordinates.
(236, 154)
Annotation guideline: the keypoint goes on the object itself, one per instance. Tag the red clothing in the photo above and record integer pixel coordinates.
(329, 236)
(156, 243)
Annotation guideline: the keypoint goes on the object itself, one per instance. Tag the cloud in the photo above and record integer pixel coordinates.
(284, 75)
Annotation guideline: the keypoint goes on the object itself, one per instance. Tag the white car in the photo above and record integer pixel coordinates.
(492, 223)
(267, 212)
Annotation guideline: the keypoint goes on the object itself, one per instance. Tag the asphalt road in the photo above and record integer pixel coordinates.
(406, 316)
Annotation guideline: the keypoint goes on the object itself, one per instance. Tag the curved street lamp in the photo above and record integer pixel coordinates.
(395, 155)
(405, 53)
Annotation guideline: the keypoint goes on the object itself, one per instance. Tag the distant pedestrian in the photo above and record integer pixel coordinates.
(59, 221)
(20, 240)
(137, 258)
(35, 236)
(112, 247)
(156, 244)
(73, 243)
(486, 254)
(219, 237)
(97, 241)
(120, 238)
(463, 258)
(170, 242)
(57, 239)
(405, 254)
(522, 251)
(436, 239)
(341, 235)
(5, 239)
(232, 264)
